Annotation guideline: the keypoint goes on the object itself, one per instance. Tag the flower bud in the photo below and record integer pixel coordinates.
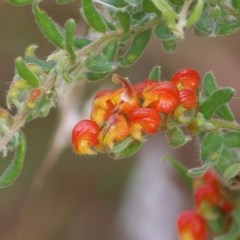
(115, 131)
(191, 226)
(163, 97)
(186, 79)
(144, 120)
(85, 135)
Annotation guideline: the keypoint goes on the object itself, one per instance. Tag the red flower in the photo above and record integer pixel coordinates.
(115, 131)
(188, 99)
(163, 97)
(207, 197)
(211, 178)
(186, 79)
(144, 120)
(191, 226)
(85, 136)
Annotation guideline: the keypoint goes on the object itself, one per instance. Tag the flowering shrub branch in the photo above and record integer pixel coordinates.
(184, 106)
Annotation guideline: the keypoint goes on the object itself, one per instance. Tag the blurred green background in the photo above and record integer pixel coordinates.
(97, 198)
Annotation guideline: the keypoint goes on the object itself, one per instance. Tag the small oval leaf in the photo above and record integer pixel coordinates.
(93, 17)
(124, 19)
(215, 100)
(209, 86)
(99, 64)
(136, 50)
(231, 171)
(26, 73)
(212, 146)
(195, 14)
(232, 140)
(50, 29)
(13, 170)
(155, 73)
(70, 28)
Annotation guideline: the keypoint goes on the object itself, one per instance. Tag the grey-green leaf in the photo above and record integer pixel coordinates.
(177, 138)
(199, 171)
(9, 176)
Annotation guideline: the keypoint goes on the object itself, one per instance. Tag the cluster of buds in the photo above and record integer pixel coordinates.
(213, 210)
(132, 111)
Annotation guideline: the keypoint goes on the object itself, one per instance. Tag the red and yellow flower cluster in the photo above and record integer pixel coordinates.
(135, 110)
(212, 213)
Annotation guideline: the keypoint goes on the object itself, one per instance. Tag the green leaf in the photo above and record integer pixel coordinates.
(195, 14)
(236, 4)
(124, 19)
(199, 171)
(225, 112)
(93, 76)
(167, 11)
(149, 7)
(136, 49)
(232, 140)
(177, 138)
(14, 168)
(169, 39)
(26, 73)
(70, 28)
(21, 2)
(205, 26)
(170, 46)
(93, 17)
(231, 171)
(111, 50)
(99, 64)
(181, 169)
(126, 148)
(228, 158)
(164, 33)
(81, 42)
(45, 66)
(211, 147)
(209, 86)
(50, 29)
(155, 73)
(215, 100)
(216, 20)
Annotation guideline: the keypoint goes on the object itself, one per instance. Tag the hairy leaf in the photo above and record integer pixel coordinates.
(13, 170)
(136, 49)
(26, 73)
(215, 100)
(93, 17)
